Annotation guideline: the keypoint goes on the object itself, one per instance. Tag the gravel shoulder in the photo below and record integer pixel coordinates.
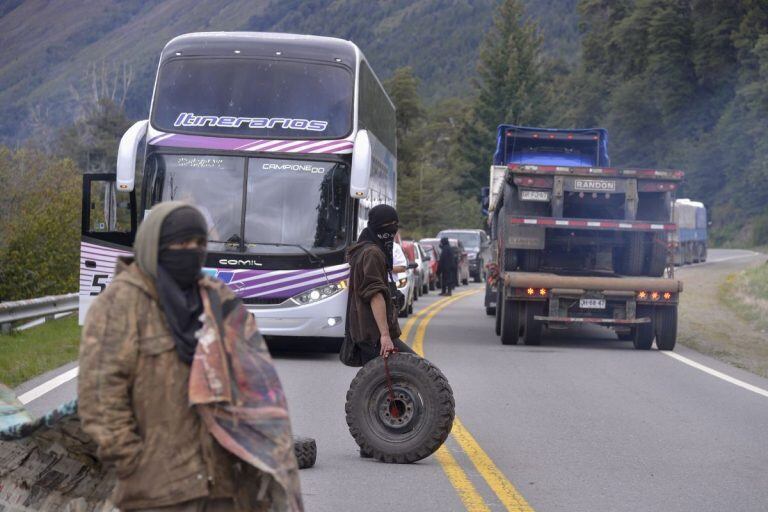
(708, 325)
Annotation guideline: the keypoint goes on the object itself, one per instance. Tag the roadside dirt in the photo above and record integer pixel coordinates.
(711, 327)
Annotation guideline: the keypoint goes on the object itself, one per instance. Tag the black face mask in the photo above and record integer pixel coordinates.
(183, 265)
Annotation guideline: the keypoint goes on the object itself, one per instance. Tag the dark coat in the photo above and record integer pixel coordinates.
(448, 264)
(368, 277)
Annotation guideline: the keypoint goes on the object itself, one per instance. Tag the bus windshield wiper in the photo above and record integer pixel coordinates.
(312, 256)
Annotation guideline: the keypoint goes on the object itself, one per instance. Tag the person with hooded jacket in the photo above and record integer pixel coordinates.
(447, 267)
(185, 428)
(372, 327)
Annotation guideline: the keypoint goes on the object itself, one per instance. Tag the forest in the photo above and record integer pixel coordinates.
(678, 83)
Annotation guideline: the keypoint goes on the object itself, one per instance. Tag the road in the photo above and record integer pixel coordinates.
(581, 423)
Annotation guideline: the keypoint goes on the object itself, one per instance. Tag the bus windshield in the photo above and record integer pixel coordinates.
(246, 97)
(293, 204)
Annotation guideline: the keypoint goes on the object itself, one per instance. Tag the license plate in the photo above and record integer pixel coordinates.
(592, 303)
(534, 195)
(595, 185)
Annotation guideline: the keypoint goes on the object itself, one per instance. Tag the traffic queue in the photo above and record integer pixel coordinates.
(469, 248)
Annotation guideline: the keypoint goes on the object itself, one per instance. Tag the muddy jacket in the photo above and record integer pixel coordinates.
(368, 277)
(133, 401)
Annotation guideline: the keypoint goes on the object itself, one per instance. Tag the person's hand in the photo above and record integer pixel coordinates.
(386, 345)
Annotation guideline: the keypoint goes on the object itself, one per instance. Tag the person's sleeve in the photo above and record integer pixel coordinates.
(374, 276)
(108, 359)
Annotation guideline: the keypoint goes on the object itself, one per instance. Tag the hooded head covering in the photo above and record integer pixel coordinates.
(147, 245)
(167, 223)
(379, 234)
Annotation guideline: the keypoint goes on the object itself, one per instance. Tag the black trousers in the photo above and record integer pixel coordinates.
(446, 280)
(369, 352)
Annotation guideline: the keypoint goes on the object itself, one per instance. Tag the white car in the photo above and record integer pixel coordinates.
(406, 283)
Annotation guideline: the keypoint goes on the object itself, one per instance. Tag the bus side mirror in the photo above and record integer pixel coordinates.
(126, 155)
(361, 166)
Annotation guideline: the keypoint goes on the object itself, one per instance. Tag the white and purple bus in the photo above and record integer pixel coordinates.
(284, 142)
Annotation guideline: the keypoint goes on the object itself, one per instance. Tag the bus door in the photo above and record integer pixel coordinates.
(108, 229)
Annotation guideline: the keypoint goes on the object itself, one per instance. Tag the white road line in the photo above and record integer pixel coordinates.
(719, 375)
(45, 387)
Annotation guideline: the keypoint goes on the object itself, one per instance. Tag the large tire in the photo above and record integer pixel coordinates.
(305, 449)
(666, 327)
(499, 307)
(634, 254)
(511, 313)
(423, 401)
(530, 260)
(657, 257)
(643, 333)
(532, 328)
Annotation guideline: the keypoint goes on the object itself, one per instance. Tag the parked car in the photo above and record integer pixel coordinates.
(415, 254)
(462, 276)
(434, 245)
(405, 282)
(477, 244)
(431, 256)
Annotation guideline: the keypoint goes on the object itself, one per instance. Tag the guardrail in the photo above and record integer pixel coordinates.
(30, 309)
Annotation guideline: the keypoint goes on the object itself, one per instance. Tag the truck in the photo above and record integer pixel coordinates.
(576, 240)
(689, 240)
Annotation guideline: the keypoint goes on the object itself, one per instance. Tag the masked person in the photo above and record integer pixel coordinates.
(447, 267)
(372, 328)
(176, 385)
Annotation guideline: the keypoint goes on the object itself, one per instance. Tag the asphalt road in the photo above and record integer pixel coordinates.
(581, 423)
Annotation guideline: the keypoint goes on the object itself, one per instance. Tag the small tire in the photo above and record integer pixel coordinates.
(432, 286)
(666, 327)
(531, 327)
(511, 312)
(305, 449)
(424, 404)
(410, 308)
(465, 282)
(425, 289)
(490, 310)
(642, 338)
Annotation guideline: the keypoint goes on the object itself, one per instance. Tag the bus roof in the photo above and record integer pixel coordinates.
(262, 44)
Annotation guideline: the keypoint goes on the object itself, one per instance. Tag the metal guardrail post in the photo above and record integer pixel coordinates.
(30, 309)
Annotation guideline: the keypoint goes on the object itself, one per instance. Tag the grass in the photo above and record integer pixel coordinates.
(27, 354)
(746, 293)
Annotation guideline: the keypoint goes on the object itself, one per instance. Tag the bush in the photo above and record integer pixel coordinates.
(39, 241)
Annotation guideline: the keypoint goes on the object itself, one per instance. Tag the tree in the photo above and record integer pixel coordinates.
(509, 90)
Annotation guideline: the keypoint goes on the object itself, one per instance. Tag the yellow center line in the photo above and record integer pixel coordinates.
(507, 493)
(469, 496)
(415, 318)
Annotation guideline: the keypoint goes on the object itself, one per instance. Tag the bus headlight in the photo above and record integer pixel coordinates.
(319, 293)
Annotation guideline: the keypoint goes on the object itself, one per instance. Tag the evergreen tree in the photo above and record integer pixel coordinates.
(509, 90)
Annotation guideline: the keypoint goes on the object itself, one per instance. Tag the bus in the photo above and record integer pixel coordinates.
(283, 141)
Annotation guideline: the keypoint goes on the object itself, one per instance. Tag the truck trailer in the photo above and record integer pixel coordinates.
(579, 241)
(689, 240)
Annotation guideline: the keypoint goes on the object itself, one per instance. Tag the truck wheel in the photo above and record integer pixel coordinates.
(530, 260)
(410, 427)
(657, 259)
(305, 449)
(510, 322)
(666, 327)
(634, 254)
(532, 327)
(499, 308)
(643, 333)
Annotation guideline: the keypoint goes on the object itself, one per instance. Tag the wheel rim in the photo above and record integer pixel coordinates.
(399, 419)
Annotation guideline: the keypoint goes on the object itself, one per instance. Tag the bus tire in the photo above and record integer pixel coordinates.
(643, 333)
(305, 449)
(666, 327)
(531, 327)
(510, 322)
(423, 401)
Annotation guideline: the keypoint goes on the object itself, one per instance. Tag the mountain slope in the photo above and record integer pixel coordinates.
(55, 53)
